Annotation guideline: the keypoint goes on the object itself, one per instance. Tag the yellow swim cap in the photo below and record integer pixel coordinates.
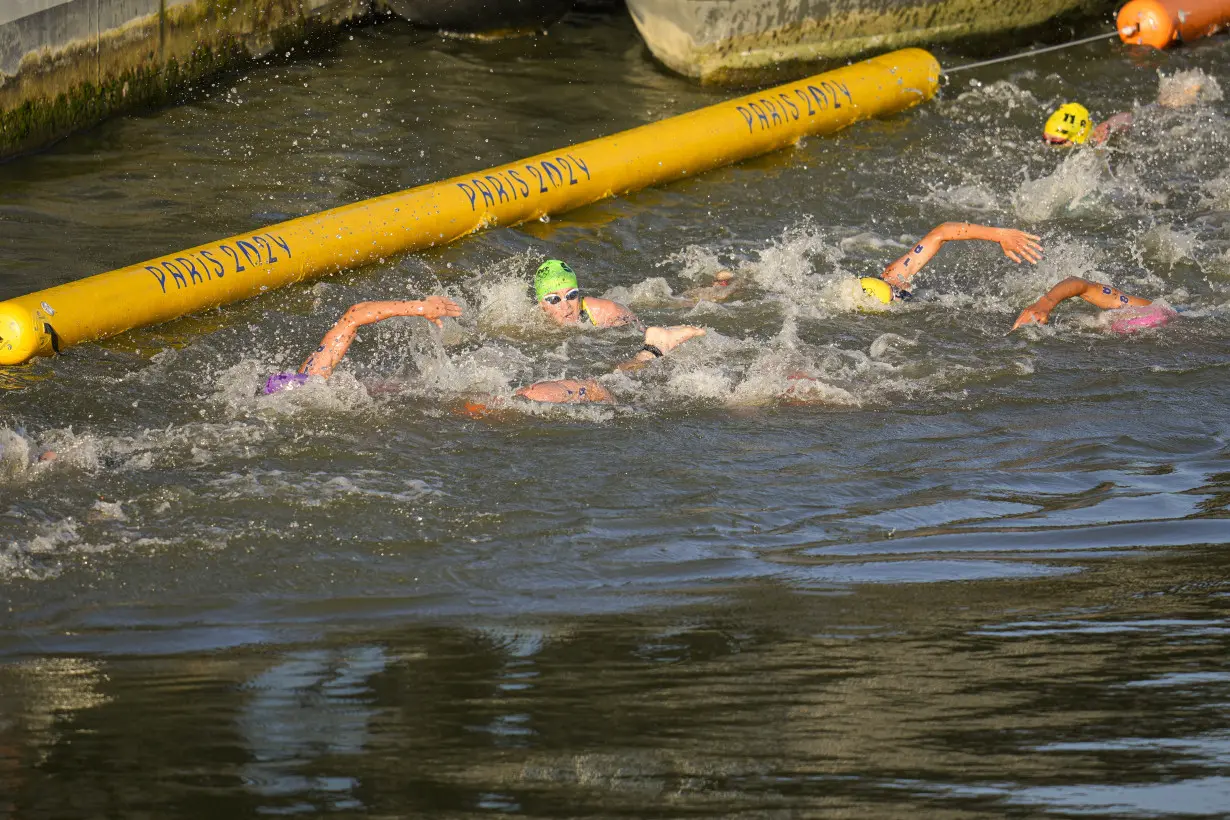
(1070, 123)
(877, 289)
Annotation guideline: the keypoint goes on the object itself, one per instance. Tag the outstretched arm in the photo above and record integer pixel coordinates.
(1017, 245)
(658, 342)
(337, 341)
(1095, 293)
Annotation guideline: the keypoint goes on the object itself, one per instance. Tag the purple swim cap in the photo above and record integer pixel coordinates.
(284, 381)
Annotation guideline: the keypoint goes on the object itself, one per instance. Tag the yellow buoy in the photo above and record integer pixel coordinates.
(251, 263)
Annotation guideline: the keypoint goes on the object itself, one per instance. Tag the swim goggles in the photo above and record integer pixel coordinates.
(554, 298)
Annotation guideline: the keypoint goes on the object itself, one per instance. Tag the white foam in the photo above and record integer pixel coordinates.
(1184, 88)
(1071, 187)
(999, 96)
(1165, 245)
(695, 263)
(25, 557)
(319, 489)
(971, 196)
(653, 292)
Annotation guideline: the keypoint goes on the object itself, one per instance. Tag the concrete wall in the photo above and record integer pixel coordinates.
(67, 64)
(719, 41)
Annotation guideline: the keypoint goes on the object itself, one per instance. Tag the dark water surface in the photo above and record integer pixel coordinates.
(973, 576)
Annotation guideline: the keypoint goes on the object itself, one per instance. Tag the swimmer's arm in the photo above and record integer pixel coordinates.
(1105, 130)
(663, 340)
(1017, 245)
(337, 341)
(1095, 293)
(566, 391)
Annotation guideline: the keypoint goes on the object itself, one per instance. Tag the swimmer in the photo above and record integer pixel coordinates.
(893, 283)
(16, 447)
(1071, 123)
(724, 286)
(1138, 313)
(559, 295)
(658, 342)
(336, 342)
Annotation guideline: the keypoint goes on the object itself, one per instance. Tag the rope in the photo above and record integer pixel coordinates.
(1032, 53)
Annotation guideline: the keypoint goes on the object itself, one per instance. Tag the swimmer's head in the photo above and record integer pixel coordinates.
(881, 291)
(558, 294)
(1070, 124)
(553, 275)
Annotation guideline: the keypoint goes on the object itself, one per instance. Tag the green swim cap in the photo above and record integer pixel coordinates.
(553, 275)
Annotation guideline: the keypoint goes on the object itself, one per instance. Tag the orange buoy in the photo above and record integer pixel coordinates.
(1159, 23)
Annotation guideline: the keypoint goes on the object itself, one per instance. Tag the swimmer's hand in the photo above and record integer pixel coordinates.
(437, 307)
(1035, 314)
(667, 339)
(1019, 245)
(1105, 130)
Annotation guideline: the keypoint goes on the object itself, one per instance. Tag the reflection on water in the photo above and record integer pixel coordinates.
(955, 572)
(956, 699)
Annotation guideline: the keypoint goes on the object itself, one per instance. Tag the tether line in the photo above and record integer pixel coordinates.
(1031, 53)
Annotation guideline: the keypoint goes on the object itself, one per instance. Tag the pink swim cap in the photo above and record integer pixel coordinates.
(1141, 318)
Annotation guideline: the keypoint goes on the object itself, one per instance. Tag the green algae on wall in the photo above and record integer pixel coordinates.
(148, 61)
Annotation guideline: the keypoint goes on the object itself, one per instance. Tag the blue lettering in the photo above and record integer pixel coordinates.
(747, 117)
(572, 178)
(204, 269)
(488, 199)
(221, 271)
(159, 275)
(552, 173)
(798, 92)
(469, 192)
(777, 118)
(794, 108)
(822, 100)
(498, 186)
(512, 190)
(844, 90)
(833, 91)
(176, 274)
(580, 164)
(260, 240)
(918, 248)
(193, 273)
(525, 187)
(281, 244)
(244, 246)
(227, 249)
(536, 174)
(760, 115)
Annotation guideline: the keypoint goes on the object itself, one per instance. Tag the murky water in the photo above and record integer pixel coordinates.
(972, 575)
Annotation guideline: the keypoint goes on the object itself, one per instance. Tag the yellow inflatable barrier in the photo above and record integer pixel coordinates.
(251, 263)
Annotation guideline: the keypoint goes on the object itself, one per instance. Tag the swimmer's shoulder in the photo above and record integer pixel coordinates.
(608, 313)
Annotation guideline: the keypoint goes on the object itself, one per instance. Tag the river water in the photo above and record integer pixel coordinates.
(961, 575)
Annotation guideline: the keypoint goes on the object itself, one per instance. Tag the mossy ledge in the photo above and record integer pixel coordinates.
(150, 61)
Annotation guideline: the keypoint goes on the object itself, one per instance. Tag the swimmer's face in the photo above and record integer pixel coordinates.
(563, 305)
